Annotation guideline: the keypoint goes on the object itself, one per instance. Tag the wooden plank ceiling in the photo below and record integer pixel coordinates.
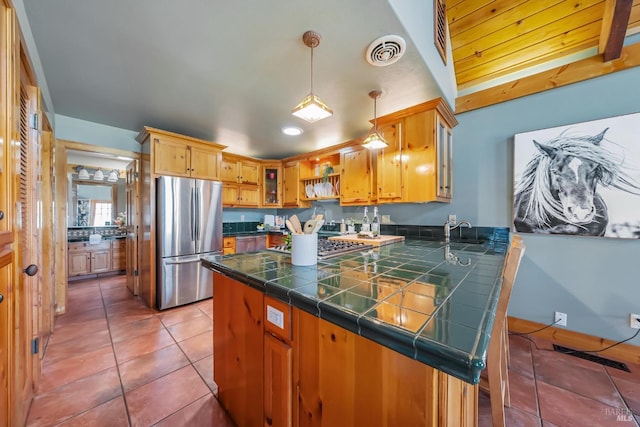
(491, 39)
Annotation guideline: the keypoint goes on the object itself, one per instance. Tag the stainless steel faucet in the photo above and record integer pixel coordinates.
(451, 225)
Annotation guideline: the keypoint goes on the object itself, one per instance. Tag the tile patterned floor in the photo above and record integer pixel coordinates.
(114, 362)
(550, 389)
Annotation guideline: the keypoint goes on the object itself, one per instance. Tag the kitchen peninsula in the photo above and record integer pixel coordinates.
(390, 336)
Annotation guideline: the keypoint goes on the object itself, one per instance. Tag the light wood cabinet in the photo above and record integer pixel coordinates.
(234, 195)
(238, 349)
(271, 185)
(101, 258)
(239, 170)
(274, 240)
(356, 177)
(416, 167)
(278, 382)
(228, 245)
(293, 191)
(177, 157)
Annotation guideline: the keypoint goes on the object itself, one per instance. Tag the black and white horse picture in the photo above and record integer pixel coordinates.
(560, 190)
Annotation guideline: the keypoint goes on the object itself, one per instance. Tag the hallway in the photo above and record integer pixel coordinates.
(112, 361)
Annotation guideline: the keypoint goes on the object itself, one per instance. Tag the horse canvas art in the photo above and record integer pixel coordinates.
(579, 180)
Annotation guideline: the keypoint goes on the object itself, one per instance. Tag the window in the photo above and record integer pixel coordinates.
(440, 27)
(102, 213)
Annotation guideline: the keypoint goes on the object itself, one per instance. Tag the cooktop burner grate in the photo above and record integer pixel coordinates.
(330, 248)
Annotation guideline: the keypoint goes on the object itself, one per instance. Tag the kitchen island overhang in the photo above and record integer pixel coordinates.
(430, 301)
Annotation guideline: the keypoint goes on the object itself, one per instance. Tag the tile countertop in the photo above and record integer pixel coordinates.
(427, 300)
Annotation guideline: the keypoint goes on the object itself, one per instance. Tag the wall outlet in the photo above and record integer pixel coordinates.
(453, 218)
(241, 218)
(634, 321)
(560, 319)
(385, 219)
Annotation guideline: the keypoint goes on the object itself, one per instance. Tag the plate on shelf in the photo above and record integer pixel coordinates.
(328, 189)
(310, 191)
(319, 189)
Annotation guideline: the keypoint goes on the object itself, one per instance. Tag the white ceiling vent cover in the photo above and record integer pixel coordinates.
(385, 50)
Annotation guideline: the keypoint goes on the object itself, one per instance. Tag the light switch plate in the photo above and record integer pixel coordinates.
(453, 218)
(275, 316)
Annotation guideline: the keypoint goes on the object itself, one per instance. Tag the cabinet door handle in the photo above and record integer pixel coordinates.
(32, 270)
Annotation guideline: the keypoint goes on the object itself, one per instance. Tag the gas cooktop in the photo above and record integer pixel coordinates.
(330, 248)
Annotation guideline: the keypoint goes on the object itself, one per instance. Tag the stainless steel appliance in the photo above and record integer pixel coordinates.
(188, 226)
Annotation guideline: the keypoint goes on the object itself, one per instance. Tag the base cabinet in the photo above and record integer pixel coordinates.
(279, 366)
(101, 258)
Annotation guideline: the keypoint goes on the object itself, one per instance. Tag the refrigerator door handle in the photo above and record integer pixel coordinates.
(192, 205)
(190, 260)
(197, 214)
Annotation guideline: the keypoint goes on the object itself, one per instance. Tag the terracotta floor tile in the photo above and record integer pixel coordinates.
(520, 351)
(138, 346)
(564, 408)
(107, 282)
(82, 303)
(110, 414)
(80, 317)
(121, 332)
(151, 366)
(523, 393)
(205, 369)
(76, 346)
(630, 392)
(180, 314)
(515, 417)
(190, 328)
(204, 412)
(158, 399)
(73, 368)
(634, 375)
(115, 295)
(206, 306)
(577, 375)
(64, 333)
(59, 404)
(198, 347)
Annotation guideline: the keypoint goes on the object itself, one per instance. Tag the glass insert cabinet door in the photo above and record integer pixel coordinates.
(272, 185)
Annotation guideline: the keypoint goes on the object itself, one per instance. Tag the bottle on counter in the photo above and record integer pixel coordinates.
(375, 222)
(366, 224)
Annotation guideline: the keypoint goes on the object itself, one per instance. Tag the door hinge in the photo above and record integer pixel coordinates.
(135, 272)
(35, 345)
(136, 175)
(34, 121)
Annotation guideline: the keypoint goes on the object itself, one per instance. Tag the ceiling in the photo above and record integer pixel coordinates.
(231, 74)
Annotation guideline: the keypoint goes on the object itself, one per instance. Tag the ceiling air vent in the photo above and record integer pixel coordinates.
(385, 50)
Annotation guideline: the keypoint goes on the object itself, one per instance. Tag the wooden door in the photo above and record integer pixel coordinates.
(278, 382)
(238, 349)
(171, 158)
(444, 144)
(101, 261)
(290, 186)
(6, 259)
(355, 180)
(230, 195)
(205, 163)
(249, 172)
(248, 195)
(229, 169)
(25, 286)
(420, 154)
(79, 262)
(390, 164)
(132, 187)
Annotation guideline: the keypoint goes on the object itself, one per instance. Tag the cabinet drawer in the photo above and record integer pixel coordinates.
(228, 242)
(85, 246)
(277, 315)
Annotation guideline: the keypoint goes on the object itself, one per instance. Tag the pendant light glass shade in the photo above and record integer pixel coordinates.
(82, 172)
(98, 176)
(113, 176)
(312, 108)
(374, 140)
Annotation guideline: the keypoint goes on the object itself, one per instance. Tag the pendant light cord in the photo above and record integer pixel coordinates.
(312, 69)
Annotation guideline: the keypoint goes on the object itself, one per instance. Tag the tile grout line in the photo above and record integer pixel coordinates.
(113, 349)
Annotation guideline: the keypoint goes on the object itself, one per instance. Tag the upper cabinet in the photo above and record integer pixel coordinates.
(271, 185)
(416, 167)
(356, 186)
(292, 192)
(179, 155)
(241, 178)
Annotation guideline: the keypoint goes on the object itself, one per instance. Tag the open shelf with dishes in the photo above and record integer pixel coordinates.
(320, 177)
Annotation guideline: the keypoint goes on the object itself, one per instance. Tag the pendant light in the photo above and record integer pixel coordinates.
(374, 140)
(98, 176)
(312, 108)
(82, 172)
(113, 176)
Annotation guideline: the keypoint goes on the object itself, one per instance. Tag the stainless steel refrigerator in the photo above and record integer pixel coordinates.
(188, 226)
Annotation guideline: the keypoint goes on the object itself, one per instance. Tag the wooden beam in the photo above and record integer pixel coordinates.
(556, 77)
(615, 22)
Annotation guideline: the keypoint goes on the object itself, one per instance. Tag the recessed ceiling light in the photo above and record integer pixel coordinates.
(292, 131)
